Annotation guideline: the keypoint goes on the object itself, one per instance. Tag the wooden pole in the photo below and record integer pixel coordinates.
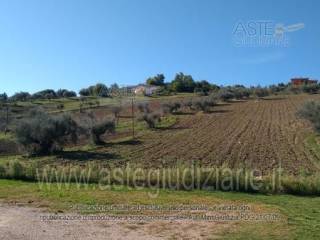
(7, 119)
(132, 114)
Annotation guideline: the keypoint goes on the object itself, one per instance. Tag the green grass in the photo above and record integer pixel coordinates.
(312, 143)
(7, 136)
(302, 214)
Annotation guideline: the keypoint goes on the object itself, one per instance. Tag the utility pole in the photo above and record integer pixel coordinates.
(7, 118)
(132, 114)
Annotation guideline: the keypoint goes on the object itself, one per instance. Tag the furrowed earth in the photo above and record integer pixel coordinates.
(255, 134)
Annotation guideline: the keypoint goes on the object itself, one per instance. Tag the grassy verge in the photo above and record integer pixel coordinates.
(302, 213)
(312, 143)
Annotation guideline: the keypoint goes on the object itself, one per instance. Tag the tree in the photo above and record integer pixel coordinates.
(84, 92)
(116, 111)
(240, 92)
(45, 94)
(41, 133)
(223, 94)
(151, 119)
(149, 116)
(183, 83)
(100, 90)
(21, 96)
(171, 107)
(157, 80)
(203, 104)
(261, 92)
(203, 87)
(64, 93)
(3, 97)
(310, 88)
(101, 128)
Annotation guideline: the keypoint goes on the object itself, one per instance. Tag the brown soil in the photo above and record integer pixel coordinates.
(261, 134)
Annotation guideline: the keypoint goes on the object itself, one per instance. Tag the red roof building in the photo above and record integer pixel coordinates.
(302, 81)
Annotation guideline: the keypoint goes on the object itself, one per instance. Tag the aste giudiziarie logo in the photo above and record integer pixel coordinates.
(262, 33)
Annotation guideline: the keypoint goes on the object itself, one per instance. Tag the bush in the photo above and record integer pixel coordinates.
(98, 90)
(240, 92)
(187, 103)
(3, 172)
(41, 133)
(60, 106)
(311, 111)
(99, 129)
(64, 93)
(183, 83)
(144, 108)
(204, 104)
(21, 96)
(3, 97)
(16, 170)
(45, 94)
(149, 116)
(223, 95)
(116, 111)
(261, 92)
(310, 88)
(151, 119)
(171, 107)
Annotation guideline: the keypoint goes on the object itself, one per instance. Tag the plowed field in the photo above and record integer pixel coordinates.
(261, 134)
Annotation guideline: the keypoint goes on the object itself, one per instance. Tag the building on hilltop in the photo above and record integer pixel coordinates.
(146, 90)
(302, 81)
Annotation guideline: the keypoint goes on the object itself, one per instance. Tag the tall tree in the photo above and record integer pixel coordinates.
(157, 80)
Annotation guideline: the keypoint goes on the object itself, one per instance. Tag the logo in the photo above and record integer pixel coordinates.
(263, 33)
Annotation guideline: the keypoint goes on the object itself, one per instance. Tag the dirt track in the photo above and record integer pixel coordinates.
(254, 134)
(23, 223)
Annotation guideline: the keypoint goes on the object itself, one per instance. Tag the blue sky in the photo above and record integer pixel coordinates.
(74, 43)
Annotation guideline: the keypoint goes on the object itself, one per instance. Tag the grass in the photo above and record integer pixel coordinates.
(7, 136)
(312, 143)
(302, 214)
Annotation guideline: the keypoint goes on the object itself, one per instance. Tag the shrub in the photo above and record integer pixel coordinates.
(149, 116)
(3, 172)
(187, 103)
(261, 92)
(21, 96)
(151, 119)
(171, 107)
(203, 104)
(311, 111)
(45, 94)
(16, 170)
(60, 106)
(183, 83)
(157, 80)
(64, 93)
(41, 133)
(223, 95)
(310, 88)
(3, 97)
(116, 111)
(144, 108)
(98, 90)
(240, 92)
(99, 129)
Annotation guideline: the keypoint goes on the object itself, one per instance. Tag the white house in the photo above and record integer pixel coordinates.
(145, 90)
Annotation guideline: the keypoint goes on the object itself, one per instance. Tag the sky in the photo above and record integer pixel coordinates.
(76, 43)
